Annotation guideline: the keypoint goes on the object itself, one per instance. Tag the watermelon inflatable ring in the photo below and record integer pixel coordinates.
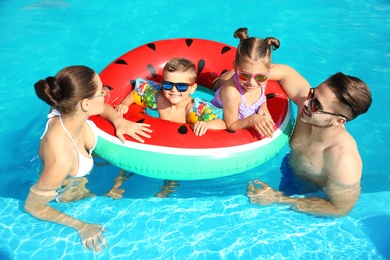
(174, 152)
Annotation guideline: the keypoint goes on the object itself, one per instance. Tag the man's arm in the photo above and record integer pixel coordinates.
(293, 83)
(336, 206)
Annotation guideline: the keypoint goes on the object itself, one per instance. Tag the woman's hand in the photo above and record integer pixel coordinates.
(135, 130)
(90, 235)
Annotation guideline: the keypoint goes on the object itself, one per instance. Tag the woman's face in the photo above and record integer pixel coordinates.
(101, 95)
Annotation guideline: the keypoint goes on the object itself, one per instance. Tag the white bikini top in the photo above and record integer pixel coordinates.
(85, 163)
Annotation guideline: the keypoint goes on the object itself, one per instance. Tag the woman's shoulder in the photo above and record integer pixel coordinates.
(54, 148)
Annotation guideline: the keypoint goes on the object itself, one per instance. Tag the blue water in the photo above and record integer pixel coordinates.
(203, 219)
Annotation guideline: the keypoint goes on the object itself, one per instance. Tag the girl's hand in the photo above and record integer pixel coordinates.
(264, 124)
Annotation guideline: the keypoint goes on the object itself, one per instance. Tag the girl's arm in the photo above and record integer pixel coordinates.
(231, 100)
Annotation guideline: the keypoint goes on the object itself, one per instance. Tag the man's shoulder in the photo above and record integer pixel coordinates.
(343, 161)
(343, 144)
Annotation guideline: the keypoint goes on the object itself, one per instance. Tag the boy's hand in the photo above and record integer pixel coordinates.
(200, 128)
(122, 109)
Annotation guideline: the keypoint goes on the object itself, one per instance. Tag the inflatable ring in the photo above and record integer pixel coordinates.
(174, 152)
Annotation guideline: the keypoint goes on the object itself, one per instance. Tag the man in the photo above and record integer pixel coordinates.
(324, 156)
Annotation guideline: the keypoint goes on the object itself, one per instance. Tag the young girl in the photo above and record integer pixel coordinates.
(243, 96)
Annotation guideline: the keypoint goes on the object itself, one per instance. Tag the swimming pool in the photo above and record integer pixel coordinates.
(203, 219)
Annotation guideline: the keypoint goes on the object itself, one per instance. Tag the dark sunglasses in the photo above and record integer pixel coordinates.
(180, 86)
(315, 109)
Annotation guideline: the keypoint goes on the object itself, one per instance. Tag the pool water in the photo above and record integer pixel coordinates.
(209, 219)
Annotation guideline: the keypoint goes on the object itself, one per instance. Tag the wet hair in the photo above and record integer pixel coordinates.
(70, 86)
(181, 65)
(252, 48)
(353, 95)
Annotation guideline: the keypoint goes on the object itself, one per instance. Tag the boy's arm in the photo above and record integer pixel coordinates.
(129, 99)
(123, 107)
(201, 127)
(216, 124)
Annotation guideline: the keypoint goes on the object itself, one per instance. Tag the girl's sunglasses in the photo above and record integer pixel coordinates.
(180, 86)
(259, 77)
(315, 109)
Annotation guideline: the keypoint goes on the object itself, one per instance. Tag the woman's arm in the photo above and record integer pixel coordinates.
(57, 166)
(123, 126)
(37, 205)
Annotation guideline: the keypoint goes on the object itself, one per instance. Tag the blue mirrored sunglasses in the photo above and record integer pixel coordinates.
(180, 86)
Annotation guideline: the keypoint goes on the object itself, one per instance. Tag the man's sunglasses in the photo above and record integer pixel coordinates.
(315, 109)
(180, 86)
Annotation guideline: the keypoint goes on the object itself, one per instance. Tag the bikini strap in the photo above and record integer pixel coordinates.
(66, 131)
(235, 76)
(53, 113)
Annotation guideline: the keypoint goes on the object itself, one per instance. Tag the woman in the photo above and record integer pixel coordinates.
(74, 94)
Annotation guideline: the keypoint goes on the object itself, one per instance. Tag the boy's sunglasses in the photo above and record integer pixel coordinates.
(180, 86)
(315, 109)
(259, 77)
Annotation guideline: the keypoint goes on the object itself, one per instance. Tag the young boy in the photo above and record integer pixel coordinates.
(172, 98)
(173, 101)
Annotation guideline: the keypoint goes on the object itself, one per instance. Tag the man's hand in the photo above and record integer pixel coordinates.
(264, 195)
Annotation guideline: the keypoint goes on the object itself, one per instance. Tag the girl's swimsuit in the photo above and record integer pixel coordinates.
(146, 93)
(85, 163)
(243, 110)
